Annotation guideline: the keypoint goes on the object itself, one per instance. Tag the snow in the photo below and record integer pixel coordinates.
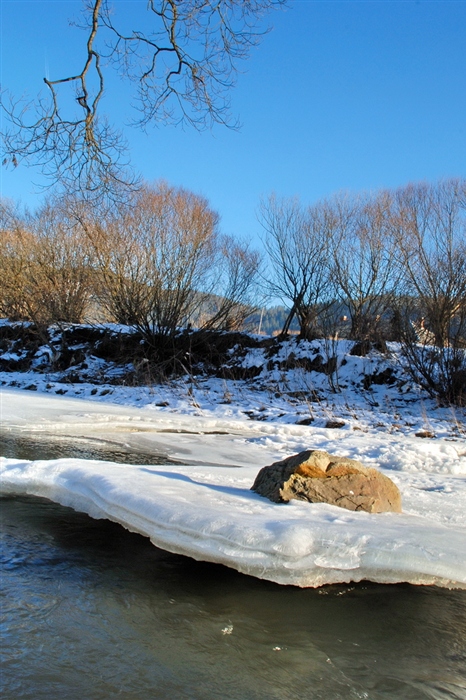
(204, 508)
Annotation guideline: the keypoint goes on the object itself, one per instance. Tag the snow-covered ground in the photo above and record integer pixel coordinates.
(222, 432)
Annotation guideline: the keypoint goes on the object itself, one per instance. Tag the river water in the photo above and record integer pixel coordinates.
(93, 612)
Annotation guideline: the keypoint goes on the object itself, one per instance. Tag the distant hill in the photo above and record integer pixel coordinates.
(269, 321)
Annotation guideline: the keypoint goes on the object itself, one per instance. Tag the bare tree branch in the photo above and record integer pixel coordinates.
(182, 62)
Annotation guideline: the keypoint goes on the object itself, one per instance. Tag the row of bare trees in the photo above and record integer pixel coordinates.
(333, 257)
(394, 262)
(156, 261)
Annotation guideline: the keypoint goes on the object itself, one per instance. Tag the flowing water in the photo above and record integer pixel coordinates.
(93, 612)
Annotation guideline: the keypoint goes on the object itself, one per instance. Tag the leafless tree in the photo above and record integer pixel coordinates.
(430, 229)
(60, 276)
(230, 295)
(297, 244)
(155, 261)
(363, 261)
(182, 62)
(153, 256)
(45, 265)
(430, 226)
(13, 262)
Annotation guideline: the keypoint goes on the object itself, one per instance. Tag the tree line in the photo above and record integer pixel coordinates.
(155, 260)
(394, 261)
(388, 265)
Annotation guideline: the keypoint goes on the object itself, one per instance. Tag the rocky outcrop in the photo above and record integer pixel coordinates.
(318, 477)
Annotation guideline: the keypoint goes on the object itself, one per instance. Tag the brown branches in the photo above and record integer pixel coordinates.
(45, 266)
(63, 134)
(182, 63)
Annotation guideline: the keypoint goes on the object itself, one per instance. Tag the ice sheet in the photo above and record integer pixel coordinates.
(206, 509)
(210, 514)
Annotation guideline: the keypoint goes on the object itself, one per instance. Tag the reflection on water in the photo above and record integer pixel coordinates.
(46, 446)
(93, 612)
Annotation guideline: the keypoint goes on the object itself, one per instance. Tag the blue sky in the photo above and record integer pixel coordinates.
(340, 95)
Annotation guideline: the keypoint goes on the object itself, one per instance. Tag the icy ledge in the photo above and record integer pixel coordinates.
(211, 515)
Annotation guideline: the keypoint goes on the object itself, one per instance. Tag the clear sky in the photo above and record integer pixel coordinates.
(340, 95)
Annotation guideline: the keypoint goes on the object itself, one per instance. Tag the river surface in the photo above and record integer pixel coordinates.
(93, 612)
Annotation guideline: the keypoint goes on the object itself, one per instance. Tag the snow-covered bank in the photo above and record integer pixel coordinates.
(206, 510)
(233, 375)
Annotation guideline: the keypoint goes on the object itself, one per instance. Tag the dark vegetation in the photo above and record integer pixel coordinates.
(72, 351)
(27, 346)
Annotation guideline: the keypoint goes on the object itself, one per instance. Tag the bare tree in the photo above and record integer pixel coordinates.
(430, 228)
(430, 225)
(182, 62)
(363, 261)
(46, 276)
(153, 257)
(13, 262)
(297, 245)
(60, 280)
(230, 297)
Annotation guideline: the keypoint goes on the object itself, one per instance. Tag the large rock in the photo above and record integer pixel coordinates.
(319, 477)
